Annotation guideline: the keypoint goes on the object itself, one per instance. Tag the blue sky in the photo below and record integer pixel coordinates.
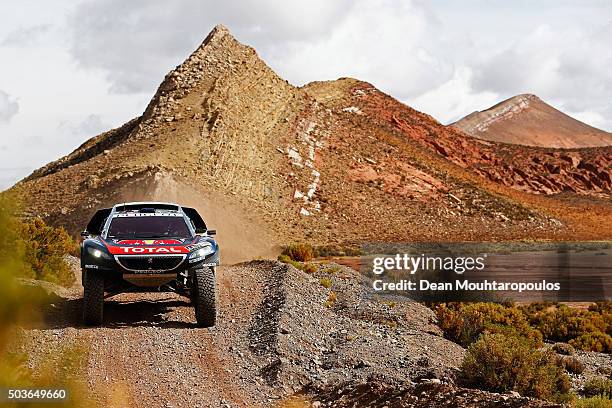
(71, 69)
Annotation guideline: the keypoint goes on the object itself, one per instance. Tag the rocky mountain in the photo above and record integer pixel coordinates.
(331, 162)
(527, 120)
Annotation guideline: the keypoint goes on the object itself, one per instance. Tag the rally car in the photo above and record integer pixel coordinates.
(149, 246)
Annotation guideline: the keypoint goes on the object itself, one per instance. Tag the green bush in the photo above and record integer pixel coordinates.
(463, 323)
(299, 252)
(12, 303)
(500, 363)
(598, 387)
(45, 249)
(306, 267)
(326, 283)
(284, 258)
(595, 341)
(593, 402)
(562, 323)
(59, 368)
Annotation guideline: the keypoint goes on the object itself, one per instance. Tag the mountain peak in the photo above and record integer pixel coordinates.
(528, 120)
(220, 55)
(217, 35)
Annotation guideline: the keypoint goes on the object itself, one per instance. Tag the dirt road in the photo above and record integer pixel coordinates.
(150, 349)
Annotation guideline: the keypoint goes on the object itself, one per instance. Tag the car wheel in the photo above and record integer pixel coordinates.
(93, 299)
(205, 297)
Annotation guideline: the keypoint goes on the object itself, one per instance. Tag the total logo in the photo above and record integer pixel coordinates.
(152, 250)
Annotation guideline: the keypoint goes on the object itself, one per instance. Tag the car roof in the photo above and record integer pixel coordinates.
(138, 205)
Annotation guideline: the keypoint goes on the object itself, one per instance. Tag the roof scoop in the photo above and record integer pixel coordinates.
(147, 210)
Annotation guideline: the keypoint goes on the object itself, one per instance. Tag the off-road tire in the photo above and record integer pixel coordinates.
(93, 299)
(204, 297)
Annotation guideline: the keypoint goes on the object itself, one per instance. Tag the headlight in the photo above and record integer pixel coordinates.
(201, 253)
(97, 253)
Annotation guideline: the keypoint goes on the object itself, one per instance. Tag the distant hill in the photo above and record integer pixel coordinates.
(527, 120)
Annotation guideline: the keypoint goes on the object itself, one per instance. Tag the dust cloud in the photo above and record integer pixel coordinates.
(240, 234)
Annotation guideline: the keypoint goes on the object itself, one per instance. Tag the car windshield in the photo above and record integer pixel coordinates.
(148, 227)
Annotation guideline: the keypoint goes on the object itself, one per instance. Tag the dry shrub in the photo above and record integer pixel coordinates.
(563, 348)
(501, 363)
(331, 299)
(463, 323)
(571, 364)
(332, 269)
(45, 248)
(595, 341)
(325, 282)
(305, 267)
(562, 323)
(601, 307)
(299, 252)
(589, 330)
(310, 268)
(337, 250)
(598, 386)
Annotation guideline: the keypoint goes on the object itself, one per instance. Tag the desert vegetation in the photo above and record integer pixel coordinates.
(510, 362)
(304, 252)
(587, 330)
(505, 347)
(302, 266)
(22, 247)
(44, 249)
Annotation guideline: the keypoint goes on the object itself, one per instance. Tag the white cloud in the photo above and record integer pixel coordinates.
(592, 118)
(387, 43)
(90, 126)
(25, 36)
(414, 50)
(8, 107)
(136, 43)
(455, 98)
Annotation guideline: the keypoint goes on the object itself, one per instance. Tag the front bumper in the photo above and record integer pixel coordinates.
(148, 270)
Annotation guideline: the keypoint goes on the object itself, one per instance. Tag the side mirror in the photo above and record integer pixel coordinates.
(85, 234)
(211, 232)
